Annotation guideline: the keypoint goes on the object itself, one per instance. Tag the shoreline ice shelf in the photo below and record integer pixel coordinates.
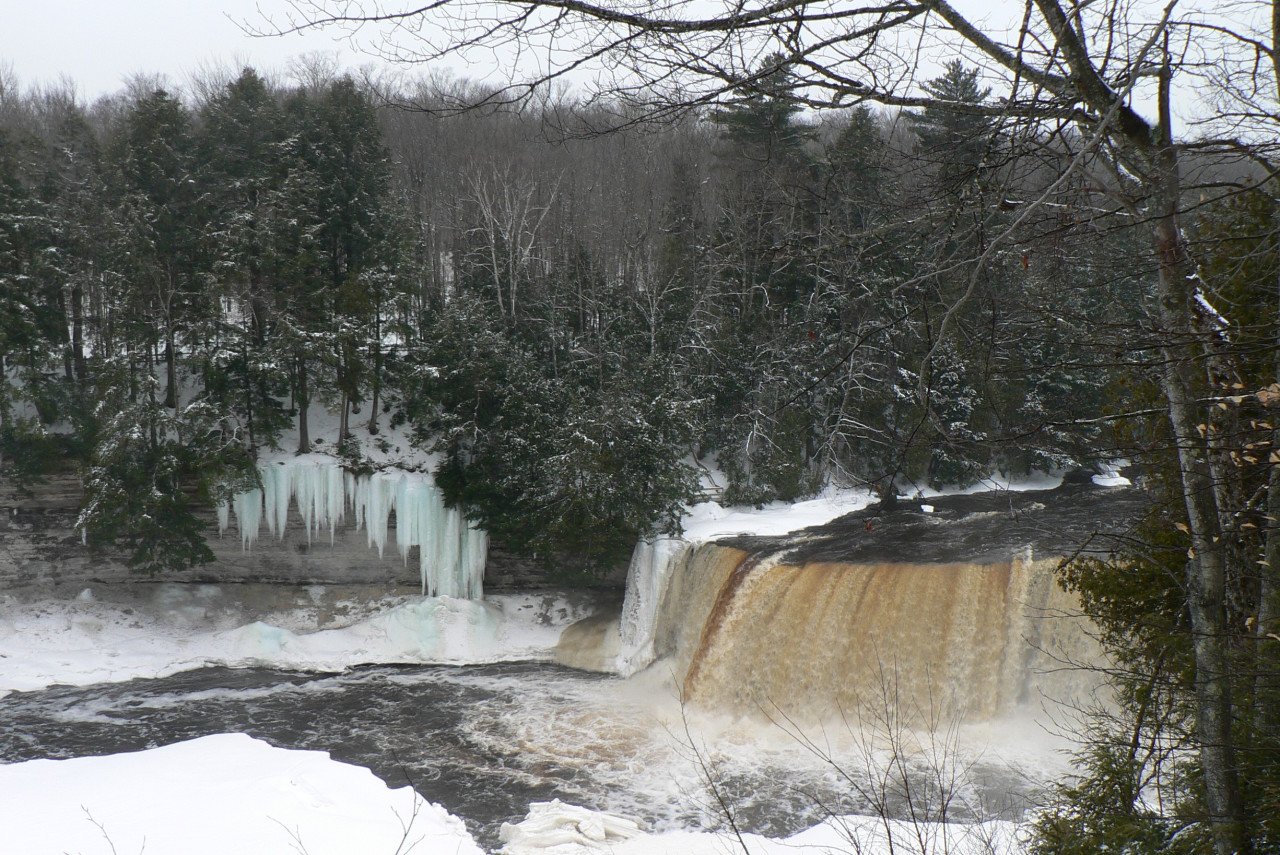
(451, 551)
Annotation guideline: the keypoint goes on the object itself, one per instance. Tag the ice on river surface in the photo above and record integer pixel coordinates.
(122, 632)
(451, 551)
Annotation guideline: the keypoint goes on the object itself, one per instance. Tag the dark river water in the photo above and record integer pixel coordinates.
(486, 741)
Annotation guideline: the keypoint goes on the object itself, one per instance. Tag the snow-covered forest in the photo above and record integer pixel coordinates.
(574, 319)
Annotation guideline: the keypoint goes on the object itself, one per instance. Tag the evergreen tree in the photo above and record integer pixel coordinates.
(341, 145)
(858, 177)
(160, 207)
(149, 463)
(28, 324)
(955, 143)
(763, 267)
(245, 164)
(569, 460)
(762, 122)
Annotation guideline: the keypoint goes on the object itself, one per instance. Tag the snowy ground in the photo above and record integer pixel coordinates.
(213, 796)
(555, 829)
(708, 521)
(231, 793)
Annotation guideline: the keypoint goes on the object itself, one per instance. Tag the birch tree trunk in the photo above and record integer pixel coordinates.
(1206, 565)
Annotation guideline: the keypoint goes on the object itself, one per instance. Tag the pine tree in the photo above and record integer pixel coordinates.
(160, 208)
(149, 466)
(245, 163)
(954, 143)
(28, 325)
(340, 143)
(761, 124)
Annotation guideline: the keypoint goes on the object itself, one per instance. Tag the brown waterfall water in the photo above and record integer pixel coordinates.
(746, 633)
(950, 613)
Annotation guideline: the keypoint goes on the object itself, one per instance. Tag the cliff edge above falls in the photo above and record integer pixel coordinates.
(974, 528)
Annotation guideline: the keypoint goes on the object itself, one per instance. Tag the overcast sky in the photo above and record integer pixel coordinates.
(98, 44)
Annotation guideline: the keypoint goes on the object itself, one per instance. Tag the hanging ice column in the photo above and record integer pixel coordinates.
(451, 551)
(647, 577)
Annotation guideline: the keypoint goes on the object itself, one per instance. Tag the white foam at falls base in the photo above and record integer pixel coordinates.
(153, 630)
(451, 551)
(647, 575)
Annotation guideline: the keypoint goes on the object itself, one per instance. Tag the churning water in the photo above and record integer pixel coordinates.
(486, 741)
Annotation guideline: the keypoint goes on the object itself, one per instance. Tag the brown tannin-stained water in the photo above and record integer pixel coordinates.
(811, 641)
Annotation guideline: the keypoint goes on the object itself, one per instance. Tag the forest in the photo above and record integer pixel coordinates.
(578, 303)
(575, 319)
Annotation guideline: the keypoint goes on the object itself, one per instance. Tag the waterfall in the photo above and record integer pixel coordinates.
(451, 551)
(754, 634)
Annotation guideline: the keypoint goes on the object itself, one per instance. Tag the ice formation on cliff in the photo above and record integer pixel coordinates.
(651, 564)
(451, 551)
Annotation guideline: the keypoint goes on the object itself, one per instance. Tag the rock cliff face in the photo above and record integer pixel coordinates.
(39, 545)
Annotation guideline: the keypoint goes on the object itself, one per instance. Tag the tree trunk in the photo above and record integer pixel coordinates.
(250, 438)
(259, 325)
(171, 367)
(304, 400)
(1206, 565)
(77, 333)
(1267, 629)
(376, 380)
(344, 418)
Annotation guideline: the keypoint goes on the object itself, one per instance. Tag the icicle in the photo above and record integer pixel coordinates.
(268, 496)
(304, 488)
(358, 496)
(406, 517)
(248, 508)
(279, 508)
(478, 541)
(224, 518)
(340, 482)
(326, 496)
(449, 554)
(379, 500)
(647, 575)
